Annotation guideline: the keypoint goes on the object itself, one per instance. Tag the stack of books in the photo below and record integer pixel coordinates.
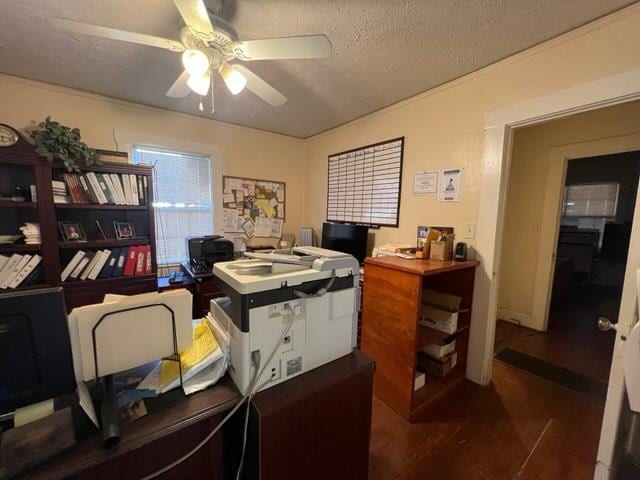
(59, 192)
(31, 232)
(106, 188)
(19, 270)
(108, 263)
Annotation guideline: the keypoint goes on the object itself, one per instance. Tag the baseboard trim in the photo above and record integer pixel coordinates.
(513, 316)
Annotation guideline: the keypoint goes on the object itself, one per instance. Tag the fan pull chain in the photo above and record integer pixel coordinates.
(213, 105)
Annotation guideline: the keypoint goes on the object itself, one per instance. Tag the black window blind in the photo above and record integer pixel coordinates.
(364, 184)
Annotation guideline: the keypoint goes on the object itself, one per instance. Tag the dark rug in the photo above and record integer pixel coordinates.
(594, 389)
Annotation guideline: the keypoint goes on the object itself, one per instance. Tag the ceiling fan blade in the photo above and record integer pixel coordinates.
(194, 13)
(307, 46)
(180, 88)
(261, 88)
(112, 33)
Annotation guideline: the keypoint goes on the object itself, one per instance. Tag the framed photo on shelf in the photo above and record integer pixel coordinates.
(124, 230)
(72, 232)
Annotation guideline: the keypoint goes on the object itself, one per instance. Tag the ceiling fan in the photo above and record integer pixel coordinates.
(208, 44)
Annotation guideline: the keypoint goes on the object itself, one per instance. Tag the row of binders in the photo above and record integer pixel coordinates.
(108, 263)
(101, 188)
(19, 270)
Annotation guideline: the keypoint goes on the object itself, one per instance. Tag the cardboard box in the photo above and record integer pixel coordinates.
(438, 367)
(441, 320)
(440, 311)
(442, 249)
(442, 348)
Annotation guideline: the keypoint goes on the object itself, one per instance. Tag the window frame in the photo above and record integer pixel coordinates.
(125, 142)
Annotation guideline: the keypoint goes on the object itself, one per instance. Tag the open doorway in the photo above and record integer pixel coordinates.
(593, 233)
(569, 209)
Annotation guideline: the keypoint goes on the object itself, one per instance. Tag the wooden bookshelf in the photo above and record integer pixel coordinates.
(19, 248)
(99, 244)
(21, 166)
(91, 206)
(393, 336)
(17, 204)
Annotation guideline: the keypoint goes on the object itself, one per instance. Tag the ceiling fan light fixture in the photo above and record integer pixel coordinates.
(200, 83)
(234, 80)
(195, 62)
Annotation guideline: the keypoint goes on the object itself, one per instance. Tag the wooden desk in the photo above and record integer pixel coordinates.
(314, 426)
(392, 336)
(175, 424)
(204, 288)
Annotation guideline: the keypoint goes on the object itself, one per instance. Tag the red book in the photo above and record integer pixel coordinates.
(147, 259)
(130, 265)
(141, 250)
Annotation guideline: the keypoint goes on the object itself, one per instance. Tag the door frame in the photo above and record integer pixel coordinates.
(499, 126)
(558, 160)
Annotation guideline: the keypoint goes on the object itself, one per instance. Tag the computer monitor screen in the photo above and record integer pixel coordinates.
(35, 351)
(351, 239)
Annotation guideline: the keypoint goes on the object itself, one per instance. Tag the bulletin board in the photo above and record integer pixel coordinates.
(253, 207)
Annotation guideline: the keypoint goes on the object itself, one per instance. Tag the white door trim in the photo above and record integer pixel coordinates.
(496, 161)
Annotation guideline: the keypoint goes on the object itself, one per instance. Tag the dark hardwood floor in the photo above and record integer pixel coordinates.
(572, 340)
(519, 427)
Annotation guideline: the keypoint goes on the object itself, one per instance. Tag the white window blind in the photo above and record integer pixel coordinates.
(364, 184)
(182, 199)
(591, 200)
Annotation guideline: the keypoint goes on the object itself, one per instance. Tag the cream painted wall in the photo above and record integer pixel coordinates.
(443, 127)
(525, 212)
(245, 151)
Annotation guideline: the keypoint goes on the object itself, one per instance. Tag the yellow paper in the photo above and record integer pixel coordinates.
(204, 344)
(266, 207)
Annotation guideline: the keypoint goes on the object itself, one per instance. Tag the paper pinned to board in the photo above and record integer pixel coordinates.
(276, 228)
(233, 183)
(263, 227)
(249, 228)
(228, 198)
(230, 219)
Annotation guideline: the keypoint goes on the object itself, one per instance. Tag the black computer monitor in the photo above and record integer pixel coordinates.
(351, 239)
(35, 350)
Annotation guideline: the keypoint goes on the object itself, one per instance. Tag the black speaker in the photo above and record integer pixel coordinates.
(461, 252)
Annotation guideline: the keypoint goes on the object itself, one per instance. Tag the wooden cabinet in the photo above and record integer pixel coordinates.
(392, 334)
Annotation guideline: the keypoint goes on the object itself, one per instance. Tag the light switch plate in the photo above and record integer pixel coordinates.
(470, 230)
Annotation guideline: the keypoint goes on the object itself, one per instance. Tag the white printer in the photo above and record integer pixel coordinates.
(315, 291)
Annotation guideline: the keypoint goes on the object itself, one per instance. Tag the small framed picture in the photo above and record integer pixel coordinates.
(72, 232)
(124, 230)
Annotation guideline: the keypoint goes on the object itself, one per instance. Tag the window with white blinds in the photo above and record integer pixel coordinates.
(182, 199)
(364, 184)
(591, 200)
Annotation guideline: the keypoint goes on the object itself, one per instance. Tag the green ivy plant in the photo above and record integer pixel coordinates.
(57, 142)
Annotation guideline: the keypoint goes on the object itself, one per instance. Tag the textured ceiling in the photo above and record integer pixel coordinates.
(383, 51)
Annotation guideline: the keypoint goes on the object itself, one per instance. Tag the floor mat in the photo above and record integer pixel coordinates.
(589, 387)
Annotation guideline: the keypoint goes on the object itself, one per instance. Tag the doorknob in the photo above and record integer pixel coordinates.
(605, 324)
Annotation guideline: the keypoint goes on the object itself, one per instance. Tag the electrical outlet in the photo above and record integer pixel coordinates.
(275, 371)
(470, 230)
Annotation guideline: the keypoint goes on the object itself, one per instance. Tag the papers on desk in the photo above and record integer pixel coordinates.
(202, 365)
